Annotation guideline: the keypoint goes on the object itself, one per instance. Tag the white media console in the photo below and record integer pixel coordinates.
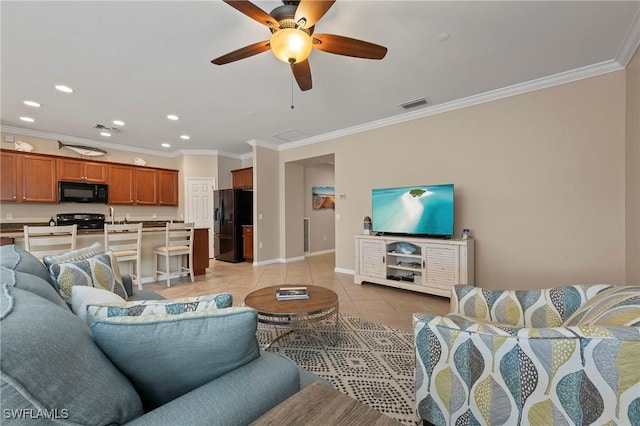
(420, 264)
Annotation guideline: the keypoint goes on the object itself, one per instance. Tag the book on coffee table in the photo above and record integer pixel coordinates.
(292, 293)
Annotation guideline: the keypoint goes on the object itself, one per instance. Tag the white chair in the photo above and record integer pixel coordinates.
(43, 240)
(178, 242)
(126, 243)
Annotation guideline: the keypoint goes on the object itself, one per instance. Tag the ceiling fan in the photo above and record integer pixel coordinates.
(292, 37)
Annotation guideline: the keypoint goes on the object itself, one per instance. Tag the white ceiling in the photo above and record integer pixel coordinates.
(139, 61)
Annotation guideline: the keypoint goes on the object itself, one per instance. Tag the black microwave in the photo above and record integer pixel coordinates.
(81, 192)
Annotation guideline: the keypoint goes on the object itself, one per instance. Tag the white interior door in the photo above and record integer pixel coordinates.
(199, 205)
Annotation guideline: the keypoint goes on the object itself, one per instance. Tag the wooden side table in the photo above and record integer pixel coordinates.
(322, 303)
(319, 404)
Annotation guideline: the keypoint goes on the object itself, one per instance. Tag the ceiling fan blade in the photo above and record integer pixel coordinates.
(253, 12)
(312, 10)
(244, 52)
(346, 46)
(302, 73)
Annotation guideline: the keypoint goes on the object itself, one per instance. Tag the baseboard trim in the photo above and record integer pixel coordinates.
(344, 271)
(318, 253)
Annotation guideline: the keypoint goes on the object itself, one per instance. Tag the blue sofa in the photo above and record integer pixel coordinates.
(200, 368)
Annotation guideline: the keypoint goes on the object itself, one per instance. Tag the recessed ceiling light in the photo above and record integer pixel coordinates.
(185, 137)
(107, 134)
(118, 122)
(32, 104)
(443, 37)
(63, 88)
(172, 117)
(166, 145)
(27, 119)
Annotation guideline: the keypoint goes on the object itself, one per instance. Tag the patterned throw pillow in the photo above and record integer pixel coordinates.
(97, 311)
(93, 272)
(73, 255)
(615, 306)
(118, 286)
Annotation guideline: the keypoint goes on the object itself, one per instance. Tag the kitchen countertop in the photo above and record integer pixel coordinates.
(14, 230)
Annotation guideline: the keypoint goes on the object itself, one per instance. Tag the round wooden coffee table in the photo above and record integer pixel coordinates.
(322, 303)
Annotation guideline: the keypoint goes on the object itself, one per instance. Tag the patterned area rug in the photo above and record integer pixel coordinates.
(370, 362)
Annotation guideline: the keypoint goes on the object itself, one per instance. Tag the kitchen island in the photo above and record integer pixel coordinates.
(153, 235)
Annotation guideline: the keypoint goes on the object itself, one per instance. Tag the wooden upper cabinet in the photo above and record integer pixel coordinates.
(33, 178)
(168, 187)
(146, 186)
(39, 183)
(9, 173)
(120, 184)
(83, 171)
(28, 178)
(242, 178)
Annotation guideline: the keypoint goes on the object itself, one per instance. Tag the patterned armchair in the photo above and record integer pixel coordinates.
(560, 356)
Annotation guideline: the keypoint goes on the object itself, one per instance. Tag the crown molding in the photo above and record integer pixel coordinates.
(505, 92)
(631, 42)
(263, 144)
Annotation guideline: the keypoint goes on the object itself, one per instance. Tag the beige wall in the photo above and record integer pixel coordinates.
(633, 170)
(294, 188)
(322, 223)
(539, 180)
(266, 201)
(225, 165)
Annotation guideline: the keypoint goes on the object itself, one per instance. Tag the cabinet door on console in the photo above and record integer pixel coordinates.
(442, 265)
(372, 258)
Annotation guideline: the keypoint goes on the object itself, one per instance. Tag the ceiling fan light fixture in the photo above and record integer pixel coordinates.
(291, 45)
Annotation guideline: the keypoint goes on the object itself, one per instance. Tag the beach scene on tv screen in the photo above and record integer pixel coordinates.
(423, 210)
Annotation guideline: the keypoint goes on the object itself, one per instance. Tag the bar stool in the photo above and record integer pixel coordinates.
(44, 240)
(178, 242)
(126, 243)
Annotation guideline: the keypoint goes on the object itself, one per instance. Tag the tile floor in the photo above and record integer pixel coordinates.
(385, 305)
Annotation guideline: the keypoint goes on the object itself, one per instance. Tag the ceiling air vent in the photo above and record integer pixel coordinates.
(106, 128)
(414, 103)
(291, 135)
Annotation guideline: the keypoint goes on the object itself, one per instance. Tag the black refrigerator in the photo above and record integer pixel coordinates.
(232, 209)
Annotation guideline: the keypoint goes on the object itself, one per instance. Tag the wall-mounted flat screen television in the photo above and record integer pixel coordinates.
(413, 210)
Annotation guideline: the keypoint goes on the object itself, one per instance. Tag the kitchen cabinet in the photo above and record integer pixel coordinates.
(424, 265)
(242, 178)
(121, 184)
(142, 186)
(146, 186)
(33, 178)
(28, 178)
(70, 169)
(247, 242)
(10, 174)
(200, 251)
(168, 187)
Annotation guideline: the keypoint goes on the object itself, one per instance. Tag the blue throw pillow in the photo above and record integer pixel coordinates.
(49, 360)
(166, 356)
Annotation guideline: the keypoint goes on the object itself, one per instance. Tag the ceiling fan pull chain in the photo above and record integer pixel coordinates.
(292, 106)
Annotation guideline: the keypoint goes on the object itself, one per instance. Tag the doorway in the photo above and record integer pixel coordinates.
(199, 205)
